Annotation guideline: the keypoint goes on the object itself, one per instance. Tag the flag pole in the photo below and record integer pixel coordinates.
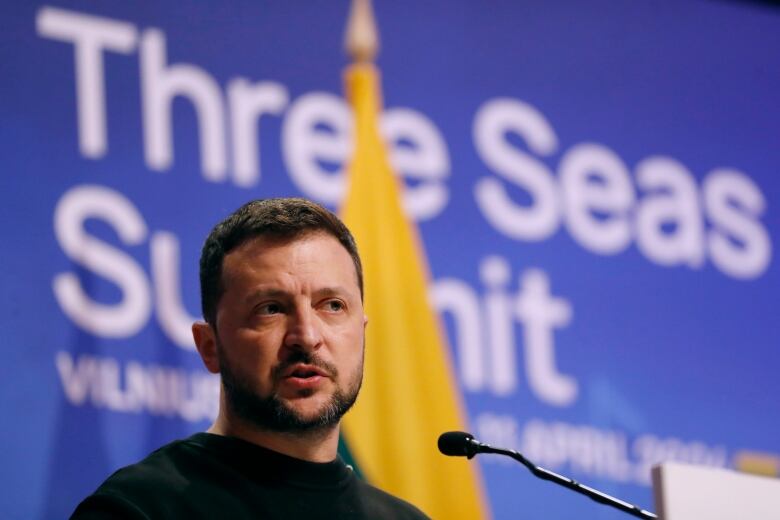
(361, 37)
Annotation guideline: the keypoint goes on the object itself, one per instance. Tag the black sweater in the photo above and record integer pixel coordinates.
(211, 476)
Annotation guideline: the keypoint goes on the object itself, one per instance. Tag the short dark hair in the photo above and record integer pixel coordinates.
(282, 218)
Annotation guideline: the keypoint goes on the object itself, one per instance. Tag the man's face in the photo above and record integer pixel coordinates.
(290, 331)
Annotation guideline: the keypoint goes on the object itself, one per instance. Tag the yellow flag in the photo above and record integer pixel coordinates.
(409, 393)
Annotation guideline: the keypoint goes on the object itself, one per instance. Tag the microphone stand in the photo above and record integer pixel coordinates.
(589, 492)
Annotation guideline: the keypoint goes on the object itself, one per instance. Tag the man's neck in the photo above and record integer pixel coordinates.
(316, 446)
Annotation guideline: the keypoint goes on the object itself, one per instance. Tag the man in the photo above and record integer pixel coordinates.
(282, 298)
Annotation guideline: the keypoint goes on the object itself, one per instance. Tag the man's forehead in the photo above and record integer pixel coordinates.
(253, 253)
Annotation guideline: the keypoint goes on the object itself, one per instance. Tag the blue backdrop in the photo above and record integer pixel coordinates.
(596, 187)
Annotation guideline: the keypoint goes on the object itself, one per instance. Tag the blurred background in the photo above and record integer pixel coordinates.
(596, 187)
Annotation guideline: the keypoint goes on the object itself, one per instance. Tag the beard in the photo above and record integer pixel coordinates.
(270, 413)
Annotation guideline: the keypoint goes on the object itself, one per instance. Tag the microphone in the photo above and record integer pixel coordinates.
(458, 444)
(462, 444)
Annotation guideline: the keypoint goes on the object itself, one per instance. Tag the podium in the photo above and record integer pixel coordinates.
(684, 492)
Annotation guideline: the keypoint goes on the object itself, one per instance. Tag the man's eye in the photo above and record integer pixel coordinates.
(334, 305)
(269, 308)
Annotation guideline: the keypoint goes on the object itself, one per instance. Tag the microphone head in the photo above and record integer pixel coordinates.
(456, 444)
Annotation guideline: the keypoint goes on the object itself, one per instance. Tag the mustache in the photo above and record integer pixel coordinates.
(307, 359)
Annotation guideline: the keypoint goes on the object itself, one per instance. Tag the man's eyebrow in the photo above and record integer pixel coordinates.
(270, 292)
(330, 291)
(266, 293)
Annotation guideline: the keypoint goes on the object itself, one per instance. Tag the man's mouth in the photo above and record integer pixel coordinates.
(302, 377)
(301, 371)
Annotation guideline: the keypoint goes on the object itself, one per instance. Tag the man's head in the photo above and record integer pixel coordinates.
(281, 290)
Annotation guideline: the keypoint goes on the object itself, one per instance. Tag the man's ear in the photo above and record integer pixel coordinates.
(206, 342)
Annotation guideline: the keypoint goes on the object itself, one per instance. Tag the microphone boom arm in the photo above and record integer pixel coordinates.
(566, 482)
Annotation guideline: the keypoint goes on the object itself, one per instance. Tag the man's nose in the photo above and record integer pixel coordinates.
(303, 330)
